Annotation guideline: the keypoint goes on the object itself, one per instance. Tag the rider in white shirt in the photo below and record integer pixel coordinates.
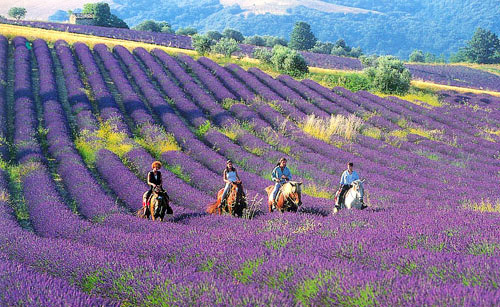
(348, 176)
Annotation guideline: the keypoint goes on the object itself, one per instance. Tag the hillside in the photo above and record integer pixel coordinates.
(80, 126)
(436, 27)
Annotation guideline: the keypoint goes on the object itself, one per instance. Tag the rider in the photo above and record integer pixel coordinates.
(229, 175)
(154, 178)
(348, 176)
(280, 175)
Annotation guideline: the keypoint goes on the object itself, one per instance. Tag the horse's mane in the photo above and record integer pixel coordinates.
(288, 189)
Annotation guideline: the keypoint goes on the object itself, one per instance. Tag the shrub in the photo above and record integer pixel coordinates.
(288, 61)
(226, 46)
(202, 43)
(263, 54)
(389, 75)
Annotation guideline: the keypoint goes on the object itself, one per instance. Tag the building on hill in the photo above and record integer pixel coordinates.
(81, 19)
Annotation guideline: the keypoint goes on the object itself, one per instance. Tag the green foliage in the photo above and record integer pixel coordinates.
(255, 40)
(340, 48)
(186, 31)
(202, 43)
(271, 41)
(286, 60)
(389, 75)
(309, 288)
(202, 129)
(483, 48)
(320, 47)
(102, 15)
(177, 170)
(153, 26)
(417, 56)
(233, 34)
(214, 35)
(302, 37)
(226, 46)
(247, 270)
(263, 54)
(92, 281)
(17, 12)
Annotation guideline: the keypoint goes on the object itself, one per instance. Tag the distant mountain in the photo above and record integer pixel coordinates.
(383, 27)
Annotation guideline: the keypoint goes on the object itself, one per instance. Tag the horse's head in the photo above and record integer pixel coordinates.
(359, 189)
(292, 191)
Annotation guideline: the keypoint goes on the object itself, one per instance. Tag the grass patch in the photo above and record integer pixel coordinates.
(155, 140)
(372, 132)
(420, 96)
(485, 205)
(202, 129)
(346, 127)
(107, 136)
(178, 171)
(247, 270)
(316, 191)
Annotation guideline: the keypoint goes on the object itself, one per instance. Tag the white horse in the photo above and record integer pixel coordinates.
(353, 198)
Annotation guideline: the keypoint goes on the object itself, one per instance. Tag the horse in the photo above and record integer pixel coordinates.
(289, 197)
(235, 202)
(353, 198)
(159, 205)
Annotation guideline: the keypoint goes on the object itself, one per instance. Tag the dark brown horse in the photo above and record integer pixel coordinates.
(158, 206)
(289, 198)
(235, 202)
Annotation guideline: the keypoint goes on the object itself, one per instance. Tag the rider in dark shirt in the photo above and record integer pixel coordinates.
(154, 178)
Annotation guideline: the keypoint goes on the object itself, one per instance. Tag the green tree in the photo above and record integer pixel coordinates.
(302, 37)
(102, 15)
(430, 58)
(288, 61)
(17, 12)
(389, 75)
(483, 47)
(236, 35)
(186, 31)
(271, 41)
(417, 56)
(263, 54)
(320, 47)
(202, 43)
(214, 35)
(255, 40)
(148, 25)
(226, 46)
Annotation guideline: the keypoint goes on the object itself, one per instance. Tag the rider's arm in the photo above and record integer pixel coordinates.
(274, 175)
(224, 176)
(288, 174)
(150, 174)
(237, 176)
(342, 179)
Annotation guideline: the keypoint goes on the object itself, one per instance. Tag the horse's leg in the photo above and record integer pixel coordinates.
(152, 210)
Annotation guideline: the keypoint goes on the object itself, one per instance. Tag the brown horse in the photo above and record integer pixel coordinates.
(158, 206)
(235, 202)
(289, 197)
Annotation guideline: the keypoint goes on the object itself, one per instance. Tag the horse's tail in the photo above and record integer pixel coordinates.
(212, 208)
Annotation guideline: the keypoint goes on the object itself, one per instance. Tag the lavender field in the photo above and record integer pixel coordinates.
(79, 128)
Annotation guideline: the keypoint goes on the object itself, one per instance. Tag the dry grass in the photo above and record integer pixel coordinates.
(346, 127)
(441, 87)
(485, 205)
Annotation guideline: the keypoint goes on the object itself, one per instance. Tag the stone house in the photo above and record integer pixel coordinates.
(81, 19)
